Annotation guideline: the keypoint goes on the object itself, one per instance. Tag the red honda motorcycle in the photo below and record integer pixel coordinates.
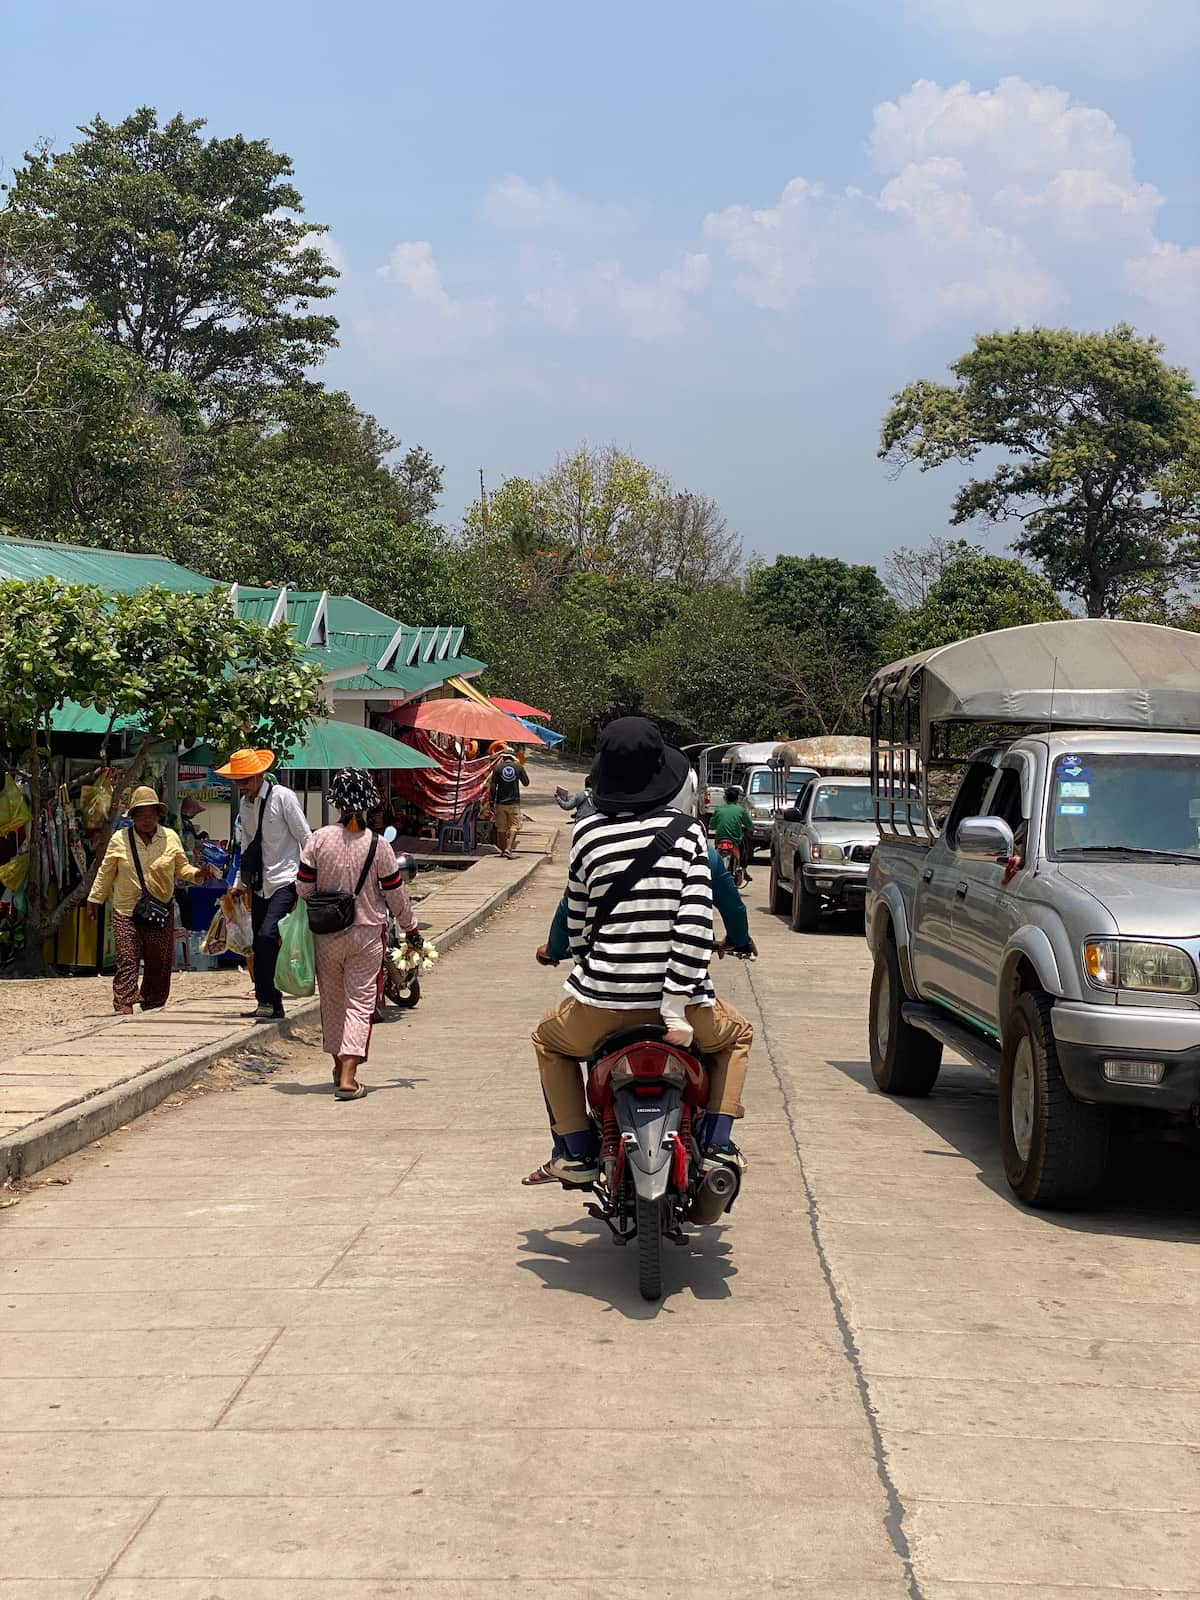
(644, 1095)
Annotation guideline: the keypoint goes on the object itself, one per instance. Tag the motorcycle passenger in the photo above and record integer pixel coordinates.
(649, 962)
(733, 824)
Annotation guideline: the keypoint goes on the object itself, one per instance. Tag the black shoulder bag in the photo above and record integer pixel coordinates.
(627, 881)
(330, 913)
(150, 912)
(252, 856)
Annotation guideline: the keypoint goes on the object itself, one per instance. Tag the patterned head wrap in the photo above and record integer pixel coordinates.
(352, 792)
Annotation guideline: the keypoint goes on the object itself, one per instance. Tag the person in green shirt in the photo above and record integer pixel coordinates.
(734, 823)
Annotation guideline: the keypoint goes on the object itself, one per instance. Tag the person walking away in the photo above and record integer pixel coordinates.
(648, 961)
(508, 776)
(144, 860)
(733, 824)
(348, 858)
(274, 828)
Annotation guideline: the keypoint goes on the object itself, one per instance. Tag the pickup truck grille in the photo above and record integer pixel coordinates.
(862, 852)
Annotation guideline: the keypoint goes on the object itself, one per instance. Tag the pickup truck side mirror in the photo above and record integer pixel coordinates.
(792, 814)
(984, 839)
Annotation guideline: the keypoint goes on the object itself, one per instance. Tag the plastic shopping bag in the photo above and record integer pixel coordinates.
(14, 810)
(216, 941)
(240, 931)
(96, 802)
(295, 967)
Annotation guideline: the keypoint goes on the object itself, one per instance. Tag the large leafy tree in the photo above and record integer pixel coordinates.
(191, 252)
(175, 668)
(1099, 442)
(976, 593)
(705, 674)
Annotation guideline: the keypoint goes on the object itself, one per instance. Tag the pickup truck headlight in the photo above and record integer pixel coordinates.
(1133, 964)
(828, 852)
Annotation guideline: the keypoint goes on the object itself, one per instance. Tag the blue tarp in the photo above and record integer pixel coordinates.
(546, 735)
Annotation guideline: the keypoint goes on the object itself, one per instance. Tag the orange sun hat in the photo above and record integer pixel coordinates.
(246, 764)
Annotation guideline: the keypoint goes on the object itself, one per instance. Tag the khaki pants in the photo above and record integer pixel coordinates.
(570, 1031)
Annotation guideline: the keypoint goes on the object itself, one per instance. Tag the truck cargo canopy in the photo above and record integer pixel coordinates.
(1084, 673)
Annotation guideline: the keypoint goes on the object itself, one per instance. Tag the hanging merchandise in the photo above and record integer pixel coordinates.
(14, 809)
(13, 874)
(96, 802)
(74, 837)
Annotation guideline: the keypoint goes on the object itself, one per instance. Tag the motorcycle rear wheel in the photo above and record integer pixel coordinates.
(649, 1241)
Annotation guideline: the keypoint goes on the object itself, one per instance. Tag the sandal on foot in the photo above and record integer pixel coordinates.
(541, 1176)
(356, 1093)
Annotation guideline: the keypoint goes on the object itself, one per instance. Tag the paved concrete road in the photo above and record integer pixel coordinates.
(269, 1347)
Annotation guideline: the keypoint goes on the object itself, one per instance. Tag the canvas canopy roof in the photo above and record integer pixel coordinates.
(1084, 673)
(837, 752)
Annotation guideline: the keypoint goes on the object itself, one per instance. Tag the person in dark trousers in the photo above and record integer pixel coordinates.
(507, 777)
(274, 829)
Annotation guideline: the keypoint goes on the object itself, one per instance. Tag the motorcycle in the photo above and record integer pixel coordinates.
(644, 1097)
(732, 857)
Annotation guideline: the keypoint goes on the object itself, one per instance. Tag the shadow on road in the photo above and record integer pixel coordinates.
(590, 1264)
(325, 1085)
(1151, 1191)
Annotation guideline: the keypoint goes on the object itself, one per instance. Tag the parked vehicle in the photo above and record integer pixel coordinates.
(821, 851)
(748, 767)
(1048, 929)
(643, 1095)
(711, 770)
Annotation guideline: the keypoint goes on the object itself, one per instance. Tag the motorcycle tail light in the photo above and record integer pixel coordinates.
(646, 1061)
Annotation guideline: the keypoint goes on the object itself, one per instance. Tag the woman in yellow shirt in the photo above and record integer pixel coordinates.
(164, 863)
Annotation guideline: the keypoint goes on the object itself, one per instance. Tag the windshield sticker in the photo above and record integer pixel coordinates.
(1072, 808)
(1072, 767)
(1074, 791)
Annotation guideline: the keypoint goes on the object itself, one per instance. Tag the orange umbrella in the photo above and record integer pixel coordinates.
(464, 719)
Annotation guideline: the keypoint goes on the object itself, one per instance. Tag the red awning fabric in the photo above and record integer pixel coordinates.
(444, 791)
(517, 708)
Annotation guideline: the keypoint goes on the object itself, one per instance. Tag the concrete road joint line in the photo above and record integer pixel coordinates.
(894, 1520)
(111, 1567)
(255, 1365)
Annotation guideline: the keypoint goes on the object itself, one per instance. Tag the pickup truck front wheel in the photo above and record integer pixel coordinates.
(904, 1060)
(1055, 1147)
(806, 906)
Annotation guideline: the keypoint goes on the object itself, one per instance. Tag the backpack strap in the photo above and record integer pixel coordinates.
(367, 864)
(638, 868)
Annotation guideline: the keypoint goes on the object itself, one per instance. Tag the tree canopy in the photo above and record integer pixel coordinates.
(1101, 455)
(190, 252)
(975, 593)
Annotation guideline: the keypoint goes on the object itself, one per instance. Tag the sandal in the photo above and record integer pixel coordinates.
(543, 1174)
(356, 1093)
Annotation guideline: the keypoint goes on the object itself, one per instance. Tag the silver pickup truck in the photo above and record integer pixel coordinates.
(821, 848)
(1047, 925)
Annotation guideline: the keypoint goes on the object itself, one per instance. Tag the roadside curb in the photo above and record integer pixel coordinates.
(61, 1135)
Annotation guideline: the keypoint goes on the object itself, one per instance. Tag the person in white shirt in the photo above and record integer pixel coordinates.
(274, 829)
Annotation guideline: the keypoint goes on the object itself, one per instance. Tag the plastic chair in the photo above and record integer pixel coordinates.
(183, 948)
(453, 833)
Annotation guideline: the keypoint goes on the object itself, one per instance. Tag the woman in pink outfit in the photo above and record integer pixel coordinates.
(349, 962)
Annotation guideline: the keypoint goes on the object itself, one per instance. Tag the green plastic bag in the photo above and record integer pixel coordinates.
(296, 967)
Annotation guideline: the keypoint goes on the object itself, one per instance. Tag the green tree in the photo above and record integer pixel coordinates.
(702, 676)
(191, 252)
(1101, 440)
(976, 593)
(798, 593)
(175, 668)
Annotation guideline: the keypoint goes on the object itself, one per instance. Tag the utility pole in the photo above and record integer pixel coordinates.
(483, 505)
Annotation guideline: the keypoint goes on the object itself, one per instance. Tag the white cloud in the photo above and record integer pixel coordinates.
(1168, 276)
(423, 317)
(1124, 32)
(518, 206)
(569, 298)
(1005, 205)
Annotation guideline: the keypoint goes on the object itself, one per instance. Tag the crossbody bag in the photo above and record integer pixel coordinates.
(252, 855)
(150, 912)
(330, 913)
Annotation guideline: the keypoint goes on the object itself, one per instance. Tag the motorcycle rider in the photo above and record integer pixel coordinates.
(733, 824)
(649, 962)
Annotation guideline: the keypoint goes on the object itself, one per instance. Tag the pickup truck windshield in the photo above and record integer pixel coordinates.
(760, 783)
(1114, 804)
(839, 802)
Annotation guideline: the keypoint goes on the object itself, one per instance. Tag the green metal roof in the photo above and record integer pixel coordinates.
(401, 683)
(112, 570)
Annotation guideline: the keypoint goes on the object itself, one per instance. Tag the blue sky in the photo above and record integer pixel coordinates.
(720, 235)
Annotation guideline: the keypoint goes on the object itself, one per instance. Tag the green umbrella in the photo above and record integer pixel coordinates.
(330, 745)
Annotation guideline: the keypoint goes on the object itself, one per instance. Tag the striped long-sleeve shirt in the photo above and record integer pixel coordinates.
(660, 938)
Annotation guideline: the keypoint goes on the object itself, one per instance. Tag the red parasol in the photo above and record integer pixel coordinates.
(464, 719)
(517, 708)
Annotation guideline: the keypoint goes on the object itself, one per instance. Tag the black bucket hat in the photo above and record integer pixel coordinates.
(635, 770)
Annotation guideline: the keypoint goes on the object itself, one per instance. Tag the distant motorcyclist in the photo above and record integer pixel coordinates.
(733, 824)
(649, 961)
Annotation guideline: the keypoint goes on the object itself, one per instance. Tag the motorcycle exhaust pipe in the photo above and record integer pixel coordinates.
(716, 1193)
